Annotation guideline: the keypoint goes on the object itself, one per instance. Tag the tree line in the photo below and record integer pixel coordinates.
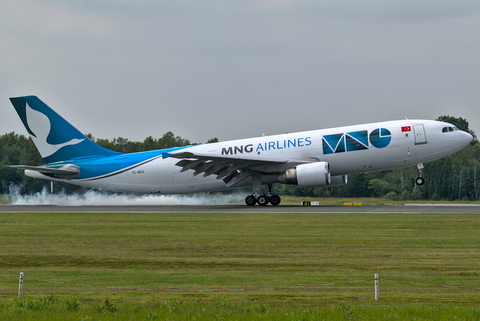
(456, 177)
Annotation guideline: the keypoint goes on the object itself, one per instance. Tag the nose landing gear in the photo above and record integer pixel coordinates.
(420, 180)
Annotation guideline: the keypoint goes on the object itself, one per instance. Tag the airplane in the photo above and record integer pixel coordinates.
(322, 157)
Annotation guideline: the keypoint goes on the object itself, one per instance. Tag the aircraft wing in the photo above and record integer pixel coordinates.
(233, 168)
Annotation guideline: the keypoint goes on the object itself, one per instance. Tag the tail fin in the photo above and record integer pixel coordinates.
(54, 137)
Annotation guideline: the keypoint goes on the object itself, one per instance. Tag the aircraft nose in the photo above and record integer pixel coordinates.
(466, 138)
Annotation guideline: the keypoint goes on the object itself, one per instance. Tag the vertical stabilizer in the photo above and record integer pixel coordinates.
(54, 137)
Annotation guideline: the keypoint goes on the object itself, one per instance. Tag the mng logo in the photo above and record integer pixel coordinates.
(353, 141)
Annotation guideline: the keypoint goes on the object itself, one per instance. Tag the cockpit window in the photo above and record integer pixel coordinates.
(449, 129)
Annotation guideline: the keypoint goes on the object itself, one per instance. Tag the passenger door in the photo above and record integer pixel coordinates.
(419, 132)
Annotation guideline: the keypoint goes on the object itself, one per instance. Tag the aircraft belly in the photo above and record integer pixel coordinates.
(182, 182)
(158, 177)
(176, 182)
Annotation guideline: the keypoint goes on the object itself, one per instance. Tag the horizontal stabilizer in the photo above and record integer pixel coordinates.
(67, 171)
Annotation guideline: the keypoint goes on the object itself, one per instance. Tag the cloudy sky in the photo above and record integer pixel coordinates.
(239, 68)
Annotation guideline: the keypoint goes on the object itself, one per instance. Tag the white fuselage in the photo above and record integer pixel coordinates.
(348, 150)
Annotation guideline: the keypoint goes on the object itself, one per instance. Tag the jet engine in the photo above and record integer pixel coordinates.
(338, 180)
(307, 175)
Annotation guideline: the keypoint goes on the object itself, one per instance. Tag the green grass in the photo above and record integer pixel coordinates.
(54, 308)
(188, 252)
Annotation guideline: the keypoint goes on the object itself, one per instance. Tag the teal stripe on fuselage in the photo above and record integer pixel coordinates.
(97, 167)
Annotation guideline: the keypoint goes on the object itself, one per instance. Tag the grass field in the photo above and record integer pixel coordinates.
(185, 253)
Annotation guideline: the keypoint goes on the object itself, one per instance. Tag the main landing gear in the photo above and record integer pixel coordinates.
(263, 200)
(419, 180)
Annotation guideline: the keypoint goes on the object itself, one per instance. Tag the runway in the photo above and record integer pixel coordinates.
(413, 209)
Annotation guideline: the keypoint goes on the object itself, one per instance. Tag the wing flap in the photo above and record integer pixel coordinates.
(204, 168)
(233, 169)
(237, 178)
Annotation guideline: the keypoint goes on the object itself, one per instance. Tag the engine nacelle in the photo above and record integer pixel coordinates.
(307, 175)
(338, 180)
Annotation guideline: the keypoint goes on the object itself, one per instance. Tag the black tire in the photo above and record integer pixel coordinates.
(250, 200)
(420, 181)
(262, 200)
(275, 200)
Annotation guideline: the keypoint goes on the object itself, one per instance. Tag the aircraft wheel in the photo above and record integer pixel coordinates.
(275, 199)
(262, 200)
(420, 181)
(250, 200)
